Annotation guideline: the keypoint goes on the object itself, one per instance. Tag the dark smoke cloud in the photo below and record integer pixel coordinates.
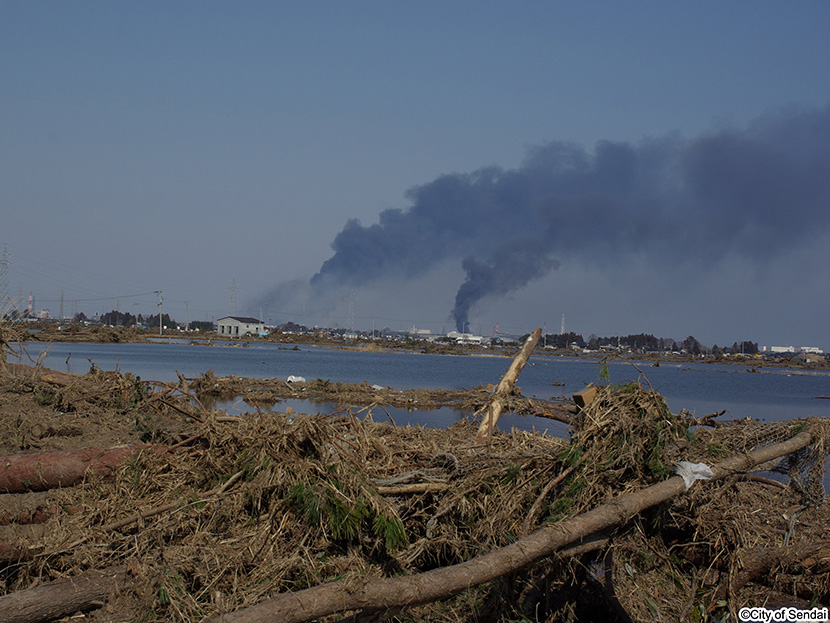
(510, 269)
(749, 192)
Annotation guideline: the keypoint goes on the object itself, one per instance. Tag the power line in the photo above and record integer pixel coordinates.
(100, 298)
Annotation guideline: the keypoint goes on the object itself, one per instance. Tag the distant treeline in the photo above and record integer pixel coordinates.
(644, 342)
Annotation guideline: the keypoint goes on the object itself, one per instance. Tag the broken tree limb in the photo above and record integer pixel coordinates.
(538, 502)
(444, 582)
(505, 386)
(61, 468)
(216, 491)
(61, 598)
(415, 487)
(558, 416)
(135, 518)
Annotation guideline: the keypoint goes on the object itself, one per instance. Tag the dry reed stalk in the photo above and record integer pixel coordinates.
(440, 583)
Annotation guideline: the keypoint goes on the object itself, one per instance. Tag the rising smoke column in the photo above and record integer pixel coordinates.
(746, 192)
(511, 269)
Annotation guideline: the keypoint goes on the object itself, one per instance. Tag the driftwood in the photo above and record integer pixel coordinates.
(505, 386)
(61, 468)
(61, 598)
(13, 553)
(62, 379)
(415, 487)
(558, 416)
(396, 592)
(41, 514)
(759, 561)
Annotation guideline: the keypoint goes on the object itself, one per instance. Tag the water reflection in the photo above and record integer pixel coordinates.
(443, 417)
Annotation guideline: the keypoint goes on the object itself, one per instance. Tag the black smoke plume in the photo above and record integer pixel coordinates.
(748, 192)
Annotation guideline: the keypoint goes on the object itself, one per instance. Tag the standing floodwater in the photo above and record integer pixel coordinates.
(768, 394)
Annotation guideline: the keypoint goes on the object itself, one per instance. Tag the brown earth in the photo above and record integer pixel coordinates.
(233, 509)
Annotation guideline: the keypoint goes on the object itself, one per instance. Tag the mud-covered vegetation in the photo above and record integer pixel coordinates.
(212, 513)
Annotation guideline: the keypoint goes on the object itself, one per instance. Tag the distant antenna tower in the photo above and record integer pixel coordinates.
(234, 289)
(352, 298)
(161, 324)
(562, 330)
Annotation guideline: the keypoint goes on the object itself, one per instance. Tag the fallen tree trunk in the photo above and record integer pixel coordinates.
(404, 591)
(759, 561)
(63, 379)
(62, 468)
(505, 386)
(13, 553)
(38, 515)
(61, 598)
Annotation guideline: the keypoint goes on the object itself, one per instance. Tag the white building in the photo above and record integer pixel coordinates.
(238, 326)
(813, 350)
(465, 338)
(782, 349)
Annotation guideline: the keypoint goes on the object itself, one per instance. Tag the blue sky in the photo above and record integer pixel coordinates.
(185, 146)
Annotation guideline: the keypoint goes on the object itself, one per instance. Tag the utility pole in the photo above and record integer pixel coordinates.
(161, 324)
(5, 264)
(187, 315)
(234, 289)
(352, 298)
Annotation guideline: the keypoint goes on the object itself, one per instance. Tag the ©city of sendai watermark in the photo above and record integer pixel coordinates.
(783, 614)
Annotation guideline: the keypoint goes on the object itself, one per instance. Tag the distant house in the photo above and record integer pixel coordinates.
(238, 326)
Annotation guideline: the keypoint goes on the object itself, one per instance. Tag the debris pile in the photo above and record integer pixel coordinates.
(270, 391)
(216, 516)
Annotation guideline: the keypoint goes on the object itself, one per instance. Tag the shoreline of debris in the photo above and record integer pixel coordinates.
(130, 499)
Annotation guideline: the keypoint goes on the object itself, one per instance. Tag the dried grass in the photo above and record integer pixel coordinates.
(308, 508)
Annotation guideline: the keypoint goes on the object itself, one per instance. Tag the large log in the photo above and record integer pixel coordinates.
(758, 561)
(61, 598)
(61, 468)
(40, 373)
(13, 553)
(508, 381)
(404, 591)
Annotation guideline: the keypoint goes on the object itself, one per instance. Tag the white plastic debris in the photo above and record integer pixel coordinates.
(690, 472)
(296, 379)
(377, 387)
